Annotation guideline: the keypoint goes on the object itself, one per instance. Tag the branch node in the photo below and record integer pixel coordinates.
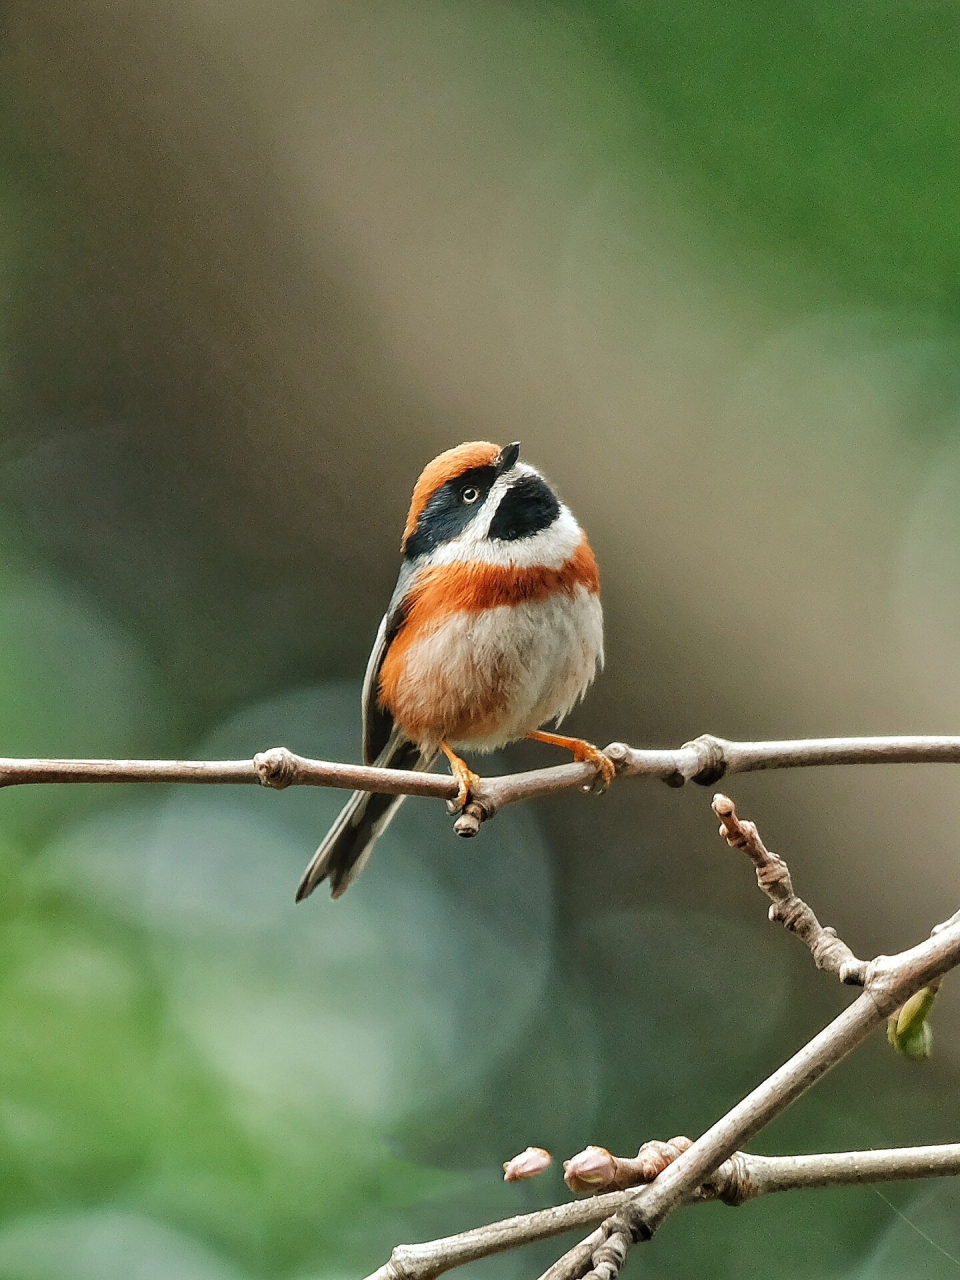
(276, 767)
(853, 973)
(732, 1181)
(881, 983)
(474, 813)
(711, 761)
(610, 1255)
(633, 1226)
(675, 779)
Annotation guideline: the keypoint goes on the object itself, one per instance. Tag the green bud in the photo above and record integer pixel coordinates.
(917, 1042)
(908, 1029)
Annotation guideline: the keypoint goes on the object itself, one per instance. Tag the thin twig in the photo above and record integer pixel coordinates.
(829, 952)
(611, 1253)
(595, 1169)
(908, 1028)
(576, 1260)
(747, 1177)
(424, 1261)
(707, 759)
(764, 1175)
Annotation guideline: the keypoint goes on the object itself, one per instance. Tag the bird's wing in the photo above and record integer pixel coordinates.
(377, 723)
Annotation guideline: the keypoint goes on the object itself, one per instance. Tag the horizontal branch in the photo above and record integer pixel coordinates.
(763, 1175)
(707, 759)
(743, 1177)
(746, 1177)
(277, 768)
(704, 760)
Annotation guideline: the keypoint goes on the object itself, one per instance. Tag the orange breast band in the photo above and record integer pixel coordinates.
(472, 587)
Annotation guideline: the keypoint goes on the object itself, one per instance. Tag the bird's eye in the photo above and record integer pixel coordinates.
(470, 494)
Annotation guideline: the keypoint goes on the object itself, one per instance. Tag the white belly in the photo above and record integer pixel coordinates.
(493, 677)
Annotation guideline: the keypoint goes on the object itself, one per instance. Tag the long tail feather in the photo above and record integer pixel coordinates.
(344, 850)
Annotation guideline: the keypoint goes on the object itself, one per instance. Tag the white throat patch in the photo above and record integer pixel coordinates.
(550, 548)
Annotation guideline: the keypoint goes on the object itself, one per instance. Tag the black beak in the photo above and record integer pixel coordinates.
(508, 457)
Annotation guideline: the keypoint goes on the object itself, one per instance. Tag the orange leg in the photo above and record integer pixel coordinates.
(462, 772)
(582, 751)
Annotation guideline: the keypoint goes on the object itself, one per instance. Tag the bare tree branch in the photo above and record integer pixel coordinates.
(595, 1169)
(714, 1166)
(889, 982)
(763, 1175)
(711, 1164)
(829, 952)
(908, 1028)
(707, 759)
(743, 1177)
(704, 760)
(746, 1177)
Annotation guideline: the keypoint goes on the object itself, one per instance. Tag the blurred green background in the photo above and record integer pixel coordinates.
(260, 262)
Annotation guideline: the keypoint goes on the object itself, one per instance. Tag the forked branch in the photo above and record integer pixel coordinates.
(743, 1177)
(715, 1166)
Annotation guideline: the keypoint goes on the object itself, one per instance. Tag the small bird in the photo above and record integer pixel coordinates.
(494, 629)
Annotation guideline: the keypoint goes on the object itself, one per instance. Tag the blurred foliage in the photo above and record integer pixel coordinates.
(816, 129)
(234, 323)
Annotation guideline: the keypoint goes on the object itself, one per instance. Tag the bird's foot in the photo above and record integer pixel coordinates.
(584, 753)
(464, 775)
(587, 753)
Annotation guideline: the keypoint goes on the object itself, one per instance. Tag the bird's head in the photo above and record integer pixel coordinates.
(477, 493)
